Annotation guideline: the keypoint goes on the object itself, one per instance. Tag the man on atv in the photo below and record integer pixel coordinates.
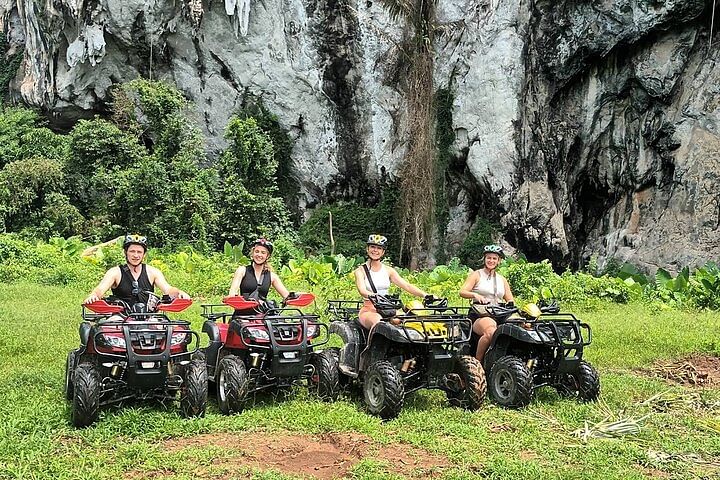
(486, 287)
(374, 278)
(130, 280)
(254, 281)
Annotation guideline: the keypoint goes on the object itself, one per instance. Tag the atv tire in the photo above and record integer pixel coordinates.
(194, 389)
(583, 385)
(86, 395)
(69, 376)
(343, 380)
(232, 383)
(510, 382)
(472, 385)
(384, 390)
(325, 379)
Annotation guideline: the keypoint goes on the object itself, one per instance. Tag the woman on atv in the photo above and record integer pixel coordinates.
(253, 281)
(132, 279)
(374, 278)
(486, 287)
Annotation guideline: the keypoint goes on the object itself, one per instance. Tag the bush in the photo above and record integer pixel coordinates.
(352, 224)
(247, 203)
(98, 151)
(22, 137)
(471, 251)
(31, 199)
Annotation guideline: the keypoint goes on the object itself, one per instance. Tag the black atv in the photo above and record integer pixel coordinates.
(419, 347)
(537, 346)
(259, 346)
(134, 352)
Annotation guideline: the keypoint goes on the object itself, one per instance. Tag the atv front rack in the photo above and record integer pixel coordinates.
(285, 332)
(146, 335)
(437, 328)
(344, 310)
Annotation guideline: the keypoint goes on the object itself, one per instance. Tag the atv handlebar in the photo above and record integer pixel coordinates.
(103, 307)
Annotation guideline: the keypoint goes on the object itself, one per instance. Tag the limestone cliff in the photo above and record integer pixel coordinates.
(583, 127)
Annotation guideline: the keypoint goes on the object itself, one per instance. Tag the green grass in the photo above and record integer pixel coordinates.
(38, 326)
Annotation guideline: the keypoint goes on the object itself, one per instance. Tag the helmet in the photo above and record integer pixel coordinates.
(134, 239)
(262, 242)
(496, 249)
(377, 240)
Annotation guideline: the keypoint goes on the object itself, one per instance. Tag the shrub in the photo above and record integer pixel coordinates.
(22, 137)
(471, 251)
(352, 224)
(31, 199)
(98, 151)
(247, 201)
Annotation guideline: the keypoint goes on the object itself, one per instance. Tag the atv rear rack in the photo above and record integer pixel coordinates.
(344, 309)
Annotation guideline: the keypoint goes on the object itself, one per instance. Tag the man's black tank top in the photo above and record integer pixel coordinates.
(249, 284)
(127, 290)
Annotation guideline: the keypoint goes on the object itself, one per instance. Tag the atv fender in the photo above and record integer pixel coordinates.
(354, 339)
(389, 331)
(381, 337)
(84, 332)
(211, 354)
(505, 337)
(516, 332)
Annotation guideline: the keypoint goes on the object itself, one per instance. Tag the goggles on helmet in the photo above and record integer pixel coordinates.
(135, 239)
(496, 249)
(377, 240)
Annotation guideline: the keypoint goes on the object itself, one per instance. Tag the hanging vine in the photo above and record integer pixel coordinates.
(418, 171)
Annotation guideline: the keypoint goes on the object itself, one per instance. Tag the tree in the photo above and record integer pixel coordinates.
(248, 202)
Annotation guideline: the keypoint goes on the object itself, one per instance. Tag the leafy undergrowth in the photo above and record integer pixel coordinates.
(643, 427)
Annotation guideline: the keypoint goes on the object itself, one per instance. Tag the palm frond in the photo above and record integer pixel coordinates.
(400, 9)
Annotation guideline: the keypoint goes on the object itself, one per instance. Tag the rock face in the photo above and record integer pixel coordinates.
(584, 128)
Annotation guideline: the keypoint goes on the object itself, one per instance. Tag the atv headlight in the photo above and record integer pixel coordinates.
(258, 333)
(178, 338)
(534, 335)
(113, 341)
(313, 330)
(457, 332)
(414, 334)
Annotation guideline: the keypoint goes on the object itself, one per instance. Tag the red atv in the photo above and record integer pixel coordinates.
(261, 346)
(135, 352)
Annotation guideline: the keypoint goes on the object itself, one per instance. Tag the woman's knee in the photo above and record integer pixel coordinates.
(490, 331)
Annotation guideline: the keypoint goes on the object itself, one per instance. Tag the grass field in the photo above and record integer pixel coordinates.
(678, 437)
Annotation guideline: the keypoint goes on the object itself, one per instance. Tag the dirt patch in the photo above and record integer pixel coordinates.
(322, 457)
(697, 370)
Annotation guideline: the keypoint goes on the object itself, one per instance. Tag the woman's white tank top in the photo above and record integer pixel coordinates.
(492, 286)
(381, 280)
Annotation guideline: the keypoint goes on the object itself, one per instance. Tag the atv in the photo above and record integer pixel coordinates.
(537, 346)
(260, 346)
(134, 352)
(416, 347)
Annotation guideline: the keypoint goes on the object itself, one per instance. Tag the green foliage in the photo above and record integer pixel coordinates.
(22, 137)
(330, 276)
(704, 287)
(352, 224)
(9, 65)
(145, 106)
(471, 251)
(48, 263)
(234, 253)
(31, 199)
(247, 201)
(267, 122)
(444, 137)
(99, 151)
